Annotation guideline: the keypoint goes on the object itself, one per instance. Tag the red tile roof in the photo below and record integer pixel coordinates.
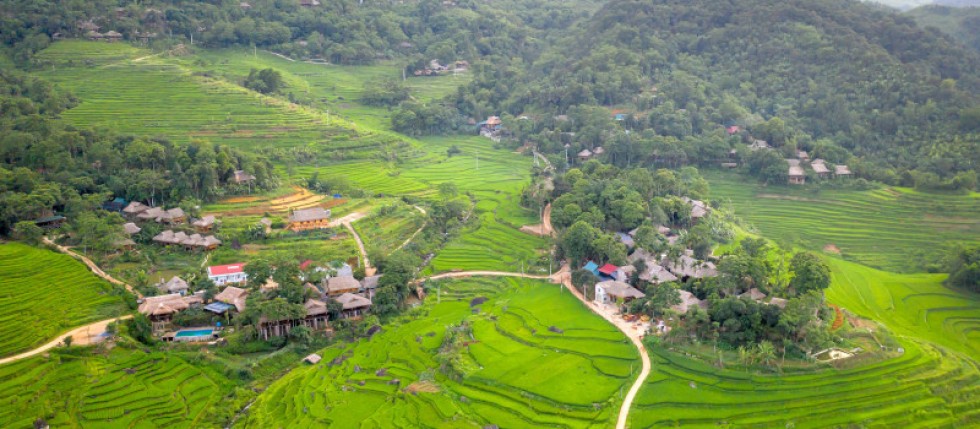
(305, 264)
(221, 270)
(608, 269)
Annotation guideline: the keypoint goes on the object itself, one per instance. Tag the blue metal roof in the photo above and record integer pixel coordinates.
(218, 307)
(591, 267)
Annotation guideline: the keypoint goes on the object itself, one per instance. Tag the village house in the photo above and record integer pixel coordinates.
(699, 209)
(611, 291)
(491, 127)
(231, 297)
(354, 305)
(312, 359)
(584, 155)
(116, 205)
(608, 271)
(778, 302)
(339, 285)
(686, 267)
(820, 168)
(841, 170)
(134, 208)
(754, 294)
(174, 285)
(802, 155)
(316, 318)
(131, 228)
(796, 176)
(226, 274)
(161, 309)
(369, 285)
(759, 145)
(688, 301)
(125, 244)
(190, 242)
(626, 239)
(204, 224)
(653, 271)
(591, 267)
(307, 219)
(309, 3)
(734, 129)
(112, 36)
(50, 221)
(240, 177)
(173, 216)
(94, 35)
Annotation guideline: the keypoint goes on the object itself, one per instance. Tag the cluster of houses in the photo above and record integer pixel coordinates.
(797, 176)
(309, 218)
(491, 128)
(172, 217)
(586, 154)
(354, 297)
(435, 69)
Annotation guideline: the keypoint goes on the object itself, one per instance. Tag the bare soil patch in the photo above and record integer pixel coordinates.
(830, 248)
(423, 387)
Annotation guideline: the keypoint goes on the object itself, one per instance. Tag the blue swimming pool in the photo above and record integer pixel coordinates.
(194, 333)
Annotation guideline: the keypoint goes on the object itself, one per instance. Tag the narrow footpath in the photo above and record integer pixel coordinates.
(368, 269)
(81, 336)
(91, 266)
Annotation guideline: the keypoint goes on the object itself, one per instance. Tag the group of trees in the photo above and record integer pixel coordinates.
(839, 78)
(46, 165)
(964, 269)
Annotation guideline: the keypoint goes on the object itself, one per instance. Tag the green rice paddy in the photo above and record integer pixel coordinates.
(121, 388)
(43, 293)
(518, 372)
(894, 229)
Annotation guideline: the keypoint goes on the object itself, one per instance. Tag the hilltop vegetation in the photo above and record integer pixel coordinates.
(960, 23)
(45, 294)
(849, 82)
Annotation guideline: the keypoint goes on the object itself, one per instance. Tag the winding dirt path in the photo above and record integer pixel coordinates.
(83, 335)
(412, 237)
(565, 278)
(368, 269)
(91, 266)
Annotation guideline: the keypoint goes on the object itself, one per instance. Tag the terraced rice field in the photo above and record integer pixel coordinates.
(122, 389)
(518, 372)
(43, 293)
(894, 229)
(114, 90)
(386, 232)
(916, 305)
(925, 387)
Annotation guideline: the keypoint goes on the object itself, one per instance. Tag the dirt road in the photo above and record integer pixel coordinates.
(91, 266)
(83, 335)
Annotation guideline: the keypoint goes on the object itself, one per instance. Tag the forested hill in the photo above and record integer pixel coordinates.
(962, 23)
(838, 74)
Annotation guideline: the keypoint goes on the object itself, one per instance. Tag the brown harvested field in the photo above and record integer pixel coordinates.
(301, 198)
(830, 248)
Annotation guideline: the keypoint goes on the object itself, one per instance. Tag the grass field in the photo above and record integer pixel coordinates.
(123, 388)
(43, 293)
(895, 229)
(518, 372)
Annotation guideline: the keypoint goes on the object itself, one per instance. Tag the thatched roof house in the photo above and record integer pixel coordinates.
(841, 170)
(754, 294)
(205, 223)
(233, 296)
(796, 175)
(820, 168)
(312, 359)
(135, 208)
(131, 228)
(174, 285)
(342, 284)
(688, 301)
(687, 266)
(778, 302)
(164, 306)
(354, 305)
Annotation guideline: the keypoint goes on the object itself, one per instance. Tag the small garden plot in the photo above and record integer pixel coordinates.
(43, 293)
(510, 376)
(388, 226)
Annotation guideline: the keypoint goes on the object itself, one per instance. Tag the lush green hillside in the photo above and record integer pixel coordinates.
(960, 23)
(43, 293)
(518, 373)
(121, 388)
(895, 229)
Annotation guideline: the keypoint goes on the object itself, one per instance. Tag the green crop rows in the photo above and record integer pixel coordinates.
(521, 374)
(123, 388)
(909, 304)
(43, 293)
(893, 229)
(925, 387)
